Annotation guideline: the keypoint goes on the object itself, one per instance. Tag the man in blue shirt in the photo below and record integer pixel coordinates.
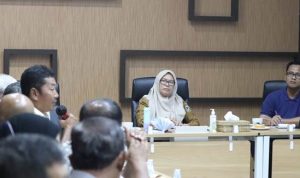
(283, 106)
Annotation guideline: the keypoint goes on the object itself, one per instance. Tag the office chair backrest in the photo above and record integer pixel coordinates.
(142, 86)
(273, 85)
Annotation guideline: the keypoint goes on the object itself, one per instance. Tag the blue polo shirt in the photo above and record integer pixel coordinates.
(279, 103)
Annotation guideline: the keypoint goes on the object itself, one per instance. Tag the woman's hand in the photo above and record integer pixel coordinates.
(176, 122)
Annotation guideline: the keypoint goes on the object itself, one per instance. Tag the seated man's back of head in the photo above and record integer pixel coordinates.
(13, 104)
(31, 156)
(103, 108)
(98, 148)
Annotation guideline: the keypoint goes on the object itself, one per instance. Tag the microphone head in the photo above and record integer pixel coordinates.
(61, 110)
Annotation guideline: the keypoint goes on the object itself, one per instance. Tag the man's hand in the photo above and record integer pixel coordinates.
(275, 120)
(137, 155)
(69, 122)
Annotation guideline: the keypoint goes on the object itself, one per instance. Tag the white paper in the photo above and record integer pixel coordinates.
(231, 117)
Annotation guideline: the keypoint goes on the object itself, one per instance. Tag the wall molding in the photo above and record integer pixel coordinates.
(9, 53)
(233, 15)
(126, 54)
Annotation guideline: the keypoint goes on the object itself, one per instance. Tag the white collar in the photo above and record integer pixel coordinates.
(80, 173)
(38, 112)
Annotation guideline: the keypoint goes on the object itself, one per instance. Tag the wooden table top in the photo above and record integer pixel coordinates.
(271, 132)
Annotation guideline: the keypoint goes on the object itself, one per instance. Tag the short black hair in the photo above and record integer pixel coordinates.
(101, 107)
(34, 77)
(294, 62)
(28, 155)
(96, 143)
(13, 88)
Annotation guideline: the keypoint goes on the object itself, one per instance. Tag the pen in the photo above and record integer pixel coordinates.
(276, 114)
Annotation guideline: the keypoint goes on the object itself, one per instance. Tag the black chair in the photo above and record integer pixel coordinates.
(141, 87)
(269, 87)
(272, 85)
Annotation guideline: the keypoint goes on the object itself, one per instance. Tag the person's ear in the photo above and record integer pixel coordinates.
(121, 160)
(34, 94)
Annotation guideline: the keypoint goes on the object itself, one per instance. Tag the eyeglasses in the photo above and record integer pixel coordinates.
(167, 82)
(292, 74)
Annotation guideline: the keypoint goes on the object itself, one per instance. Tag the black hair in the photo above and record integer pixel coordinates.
(294, 62)
(28, 155)
(29, 123)
(13, 88)
(34, 77)
(101, 107)
(96, 143)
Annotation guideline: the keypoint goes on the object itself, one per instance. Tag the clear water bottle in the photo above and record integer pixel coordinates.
(146, 118)
(177, 173)
(213, 121)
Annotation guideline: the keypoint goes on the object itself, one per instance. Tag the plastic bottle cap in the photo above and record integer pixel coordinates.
(213, 111)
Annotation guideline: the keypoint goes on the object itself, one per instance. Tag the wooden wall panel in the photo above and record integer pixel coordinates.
(212, 7)
(19, 63)
(90, 34)
(213, 76)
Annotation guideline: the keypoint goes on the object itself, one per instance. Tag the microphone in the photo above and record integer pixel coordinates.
(62, 111)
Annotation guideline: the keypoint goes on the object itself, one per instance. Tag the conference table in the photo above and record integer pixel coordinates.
(223, 155)
(283, 151)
